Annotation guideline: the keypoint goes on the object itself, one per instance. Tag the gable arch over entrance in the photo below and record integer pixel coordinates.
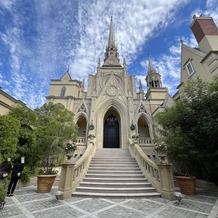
(117, 109)
(145, 126)
(81, 120)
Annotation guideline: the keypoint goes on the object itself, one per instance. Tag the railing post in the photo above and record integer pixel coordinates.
(166, 180)
(66, 180)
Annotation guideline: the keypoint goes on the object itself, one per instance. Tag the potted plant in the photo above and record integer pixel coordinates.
(55, 125)
(3, 186)
(184, 179)
(70, 148)
(2, 194)
(181, 156)
(161, 150)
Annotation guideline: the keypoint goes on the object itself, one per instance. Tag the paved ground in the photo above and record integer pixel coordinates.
(28, 203)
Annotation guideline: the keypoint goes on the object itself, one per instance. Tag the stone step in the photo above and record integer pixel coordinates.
(113, 164)
(114, 168)
(115, 180)
(115, 184)
(116, 195)
(113, 159)
(108, 171)
(114, 175)
(115, 190)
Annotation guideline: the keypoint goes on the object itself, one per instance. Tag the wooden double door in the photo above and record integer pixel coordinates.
(111, 133)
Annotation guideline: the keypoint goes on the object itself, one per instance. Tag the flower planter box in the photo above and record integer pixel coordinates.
(45, 183)
(186, 184)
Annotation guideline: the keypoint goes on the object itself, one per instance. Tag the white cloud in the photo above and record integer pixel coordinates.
(135, 22)
(7, 4)
(47, 37)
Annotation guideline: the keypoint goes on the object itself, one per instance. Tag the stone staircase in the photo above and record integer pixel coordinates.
(114, 173)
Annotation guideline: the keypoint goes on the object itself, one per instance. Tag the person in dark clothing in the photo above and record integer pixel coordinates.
(5, 169)
(15, 176)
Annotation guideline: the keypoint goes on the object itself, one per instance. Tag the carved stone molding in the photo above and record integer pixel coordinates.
(112, 91)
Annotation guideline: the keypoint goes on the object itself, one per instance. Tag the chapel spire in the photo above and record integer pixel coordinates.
(111, 54)
(153, 78)
(111, 39)
(151, 68)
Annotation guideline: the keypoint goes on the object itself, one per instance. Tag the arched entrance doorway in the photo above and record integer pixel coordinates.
(111, 132)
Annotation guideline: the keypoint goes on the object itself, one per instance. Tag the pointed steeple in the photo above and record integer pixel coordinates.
(111, 54)
(153, 78)
(151, 68)
(111, 40)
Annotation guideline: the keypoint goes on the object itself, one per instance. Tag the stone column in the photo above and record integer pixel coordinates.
(66, 180)
(166, 179)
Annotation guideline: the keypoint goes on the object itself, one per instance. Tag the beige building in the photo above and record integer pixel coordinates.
(7, 102)
(111, 108)
(202, 61)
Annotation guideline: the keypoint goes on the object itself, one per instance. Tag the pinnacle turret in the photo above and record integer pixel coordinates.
(153, 78)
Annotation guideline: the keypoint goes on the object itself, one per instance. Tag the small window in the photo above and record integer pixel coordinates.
(189, 68)
(63, 90)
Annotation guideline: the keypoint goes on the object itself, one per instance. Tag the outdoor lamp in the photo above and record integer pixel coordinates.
(58, 195)
(91, 126)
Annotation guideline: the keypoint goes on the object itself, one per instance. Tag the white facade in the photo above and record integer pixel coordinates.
(111, 104)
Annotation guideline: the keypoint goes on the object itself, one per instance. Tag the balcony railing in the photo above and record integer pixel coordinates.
(81, 140)
(145, 141)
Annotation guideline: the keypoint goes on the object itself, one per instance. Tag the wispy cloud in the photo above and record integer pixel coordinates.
(168, 64)
(136, 22)
(46, 37)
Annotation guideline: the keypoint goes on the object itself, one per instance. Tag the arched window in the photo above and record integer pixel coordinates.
(63, 91)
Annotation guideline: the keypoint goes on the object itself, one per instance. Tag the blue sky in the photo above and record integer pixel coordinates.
(41, 39)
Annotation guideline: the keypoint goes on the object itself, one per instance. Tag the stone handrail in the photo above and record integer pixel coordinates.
(73, 173)
(159, 175)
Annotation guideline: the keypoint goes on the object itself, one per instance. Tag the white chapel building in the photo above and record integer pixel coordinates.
(111, 108)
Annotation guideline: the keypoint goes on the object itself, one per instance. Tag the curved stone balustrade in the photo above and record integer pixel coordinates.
(159, 175)
(73, 173)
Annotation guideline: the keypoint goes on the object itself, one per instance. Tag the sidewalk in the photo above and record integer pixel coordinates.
(28, 203)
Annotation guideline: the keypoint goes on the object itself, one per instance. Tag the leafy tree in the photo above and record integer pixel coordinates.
(190, 128)
(26, 145)
(9, 132)
(55, 126)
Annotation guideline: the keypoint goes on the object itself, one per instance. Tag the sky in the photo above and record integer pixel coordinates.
(41, 39)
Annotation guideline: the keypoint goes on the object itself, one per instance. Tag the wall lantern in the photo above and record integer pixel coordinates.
(132, 127)
(91, 126)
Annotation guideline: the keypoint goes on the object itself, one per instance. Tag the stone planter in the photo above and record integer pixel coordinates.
(186, 184)
(45, 183)
(163, 158)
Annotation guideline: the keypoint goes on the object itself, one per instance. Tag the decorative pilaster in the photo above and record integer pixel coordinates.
(65, 183)
(166, 179)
